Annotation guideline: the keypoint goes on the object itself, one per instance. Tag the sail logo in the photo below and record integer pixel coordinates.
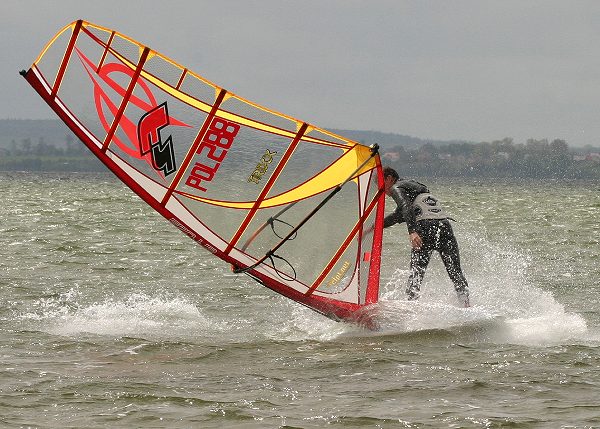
(108, 95)
(339, 275)
(183, 228)
(212, 151)
(261, 167)
(151, 142)
(430, 201)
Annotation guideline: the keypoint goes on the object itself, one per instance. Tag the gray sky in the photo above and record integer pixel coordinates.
(471, 69)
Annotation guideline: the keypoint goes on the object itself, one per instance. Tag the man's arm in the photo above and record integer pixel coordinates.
(408, 212)
(415, 240)
(410, 217)
(393, 218)
(398, 215)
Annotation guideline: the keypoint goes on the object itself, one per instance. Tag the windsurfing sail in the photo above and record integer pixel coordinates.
(283, 201)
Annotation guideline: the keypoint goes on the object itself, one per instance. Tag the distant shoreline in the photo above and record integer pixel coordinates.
(586, 170)
(49, 145)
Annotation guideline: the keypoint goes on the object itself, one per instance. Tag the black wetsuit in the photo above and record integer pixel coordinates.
(436, 234)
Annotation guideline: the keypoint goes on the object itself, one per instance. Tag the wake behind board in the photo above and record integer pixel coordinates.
(419, 318)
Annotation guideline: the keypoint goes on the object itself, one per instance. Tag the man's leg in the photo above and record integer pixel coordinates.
(419, 259)
(451, 258)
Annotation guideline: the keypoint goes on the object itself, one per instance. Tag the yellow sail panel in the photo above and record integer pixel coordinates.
(325, 180)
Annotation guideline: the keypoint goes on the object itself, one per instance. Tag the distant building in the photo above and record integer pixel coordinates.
(391, 156)
(591, 156)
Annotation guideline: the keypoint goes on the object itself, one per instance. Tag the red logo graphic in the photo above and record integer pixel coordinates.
(163, 156)
(216, 141)
(140, 143)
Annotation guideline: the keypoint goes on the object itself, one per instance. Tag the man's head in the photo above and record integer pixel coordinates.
(390, 177)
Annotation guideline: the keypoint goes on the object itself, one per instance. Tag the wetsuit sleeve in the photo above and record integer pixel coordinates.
(409, 212)
(398, 215)
(393, 218)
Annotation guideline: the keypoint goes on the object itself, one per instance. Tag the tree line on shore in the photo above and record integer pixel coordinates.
(41, 156)
(501, 158)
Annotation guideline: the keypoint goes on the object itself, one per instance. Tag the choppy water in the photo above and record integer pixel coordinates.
(112, 318)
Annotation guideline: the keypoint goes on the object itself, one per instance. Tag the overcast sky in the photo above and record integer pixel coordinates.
(471, 70)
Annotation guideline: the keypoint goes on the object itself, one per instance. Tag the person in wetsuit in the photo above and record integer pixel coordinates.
(429, 229)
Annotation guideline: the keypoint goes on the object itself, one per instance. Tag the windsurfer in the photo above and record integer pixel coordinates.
(429, 229)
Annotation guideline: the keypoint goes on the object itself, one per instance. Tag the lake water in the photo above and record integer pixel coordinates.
(111, 318)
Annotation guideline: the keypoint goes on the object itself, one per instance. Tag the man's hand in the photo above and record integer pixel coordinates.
(415, 240)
